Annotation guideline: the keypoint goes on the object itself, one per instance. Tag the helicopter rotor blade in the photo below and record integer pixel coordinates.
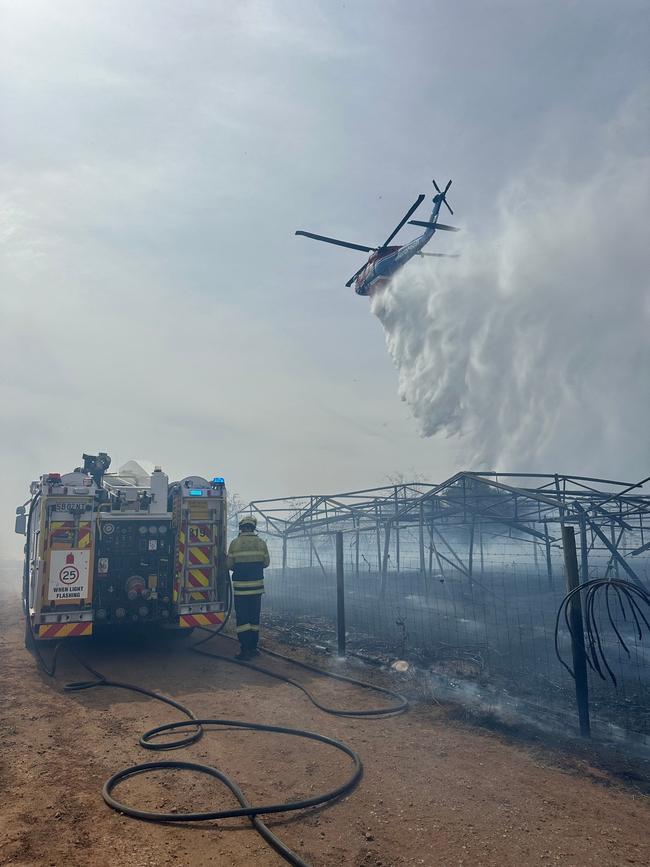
(336, 241)
(443, 226)
(403, 222)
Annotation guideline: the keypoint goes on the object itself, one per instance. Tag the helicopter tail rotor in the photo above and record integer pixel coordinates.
(442, 194)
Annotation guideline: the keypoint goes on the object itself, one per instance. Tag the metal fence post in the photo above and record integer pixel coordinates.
(284, 556)
(613, 537)
(378, 540)
(421, 529)
(549, 564)
(577, 631)
(384, 563)
(357, 542)
(397, 551)
(470, 553)
(340, 596)
(584, 557)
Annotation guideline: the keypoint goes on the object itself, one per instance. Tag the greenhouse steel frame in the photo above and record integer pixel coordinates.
(532, 507)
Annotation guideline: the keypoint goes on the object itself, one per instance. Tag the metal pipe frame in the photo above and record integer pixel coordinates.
(529, 505)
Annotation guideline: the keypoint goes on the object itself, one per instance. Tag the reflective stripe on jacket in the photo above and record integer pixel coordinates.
(247, 558)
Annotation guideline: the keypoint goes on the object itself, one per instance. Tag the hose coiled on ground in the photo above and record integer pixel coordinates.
(197, 725)
(148, 740)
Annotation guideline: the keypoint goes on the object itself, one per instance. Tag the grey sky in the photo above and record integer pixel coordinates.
(156, 159)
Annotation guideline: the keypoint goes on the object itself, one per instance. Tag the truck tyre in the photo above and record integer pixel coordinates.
(30, 644)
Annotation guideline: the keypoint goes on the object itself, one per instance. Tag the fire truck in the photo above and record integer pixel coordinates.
(107, 550)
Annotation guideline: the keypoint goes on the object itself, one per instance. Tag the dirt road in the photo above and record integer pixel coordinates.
(434, 792)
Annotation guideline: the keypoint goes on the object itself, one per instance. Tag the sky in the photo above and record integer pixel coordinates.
(156, 159)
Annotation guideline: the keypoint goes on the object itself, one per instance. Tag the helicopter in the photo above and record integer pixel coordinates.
(386, 260)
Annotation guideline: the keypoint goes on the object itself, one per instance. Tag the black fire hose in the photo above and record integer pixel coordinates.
(401, 702)
(247, 809)
(147, 740)
(251, 811)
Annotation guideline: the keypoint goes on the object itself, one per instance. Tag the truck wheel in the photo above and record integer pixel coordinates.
(30, 644)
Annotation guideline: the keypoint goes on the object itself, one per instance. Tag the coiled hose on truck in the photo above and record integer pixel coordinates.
(197, 729)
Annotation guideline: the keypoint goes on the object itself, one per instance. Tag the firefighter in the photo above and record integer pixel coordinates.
(248, 556)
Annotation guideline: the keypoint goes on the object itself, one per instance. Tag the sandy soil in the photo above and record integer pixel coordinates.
(435, 792)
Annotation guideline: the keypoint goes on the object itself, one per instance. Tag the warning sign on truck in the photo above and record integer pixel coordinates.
(69, 574)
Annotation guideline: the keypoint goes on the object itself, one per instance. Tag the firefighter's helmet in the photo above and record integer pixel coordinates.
(249, 520)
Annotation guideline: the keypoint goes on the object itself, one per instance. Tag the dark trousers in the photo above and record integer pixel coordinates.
(247, 611)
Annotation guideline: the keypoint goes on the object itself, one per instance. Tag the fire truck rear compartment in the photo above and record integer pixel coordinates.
(133, 568)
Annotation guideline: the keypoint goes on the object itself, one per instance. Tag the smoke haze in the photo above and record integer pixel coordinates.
(156, 159)
(533, 347)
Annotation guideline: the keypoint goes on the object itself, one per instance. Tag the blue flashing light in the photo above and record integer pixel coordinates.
(196, 492)
(218, 480)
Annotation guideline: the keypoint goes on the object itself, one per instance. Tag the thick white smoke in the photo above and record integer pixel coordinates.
(533, 348)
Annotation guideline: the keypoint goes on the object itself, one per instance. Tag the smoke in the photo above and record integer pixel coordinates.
(532, 349)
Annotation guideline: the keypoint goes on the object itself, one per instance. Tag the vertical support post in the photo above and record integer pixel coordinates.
(614, 560)
(480, 545)
(397, 566)
(340, 596)
(378, 540)
(284, 556)
(397, 551)
(357, 541)
(622, 542)
(470, 553)
(577, 631)
(421, 528)
(430, 572)
(384, 564)
(549, 564)
(560, 499)
(584, 559)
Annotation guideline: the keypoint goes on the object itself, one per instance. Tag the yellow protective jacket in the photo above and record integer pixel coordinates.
(248, 556)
